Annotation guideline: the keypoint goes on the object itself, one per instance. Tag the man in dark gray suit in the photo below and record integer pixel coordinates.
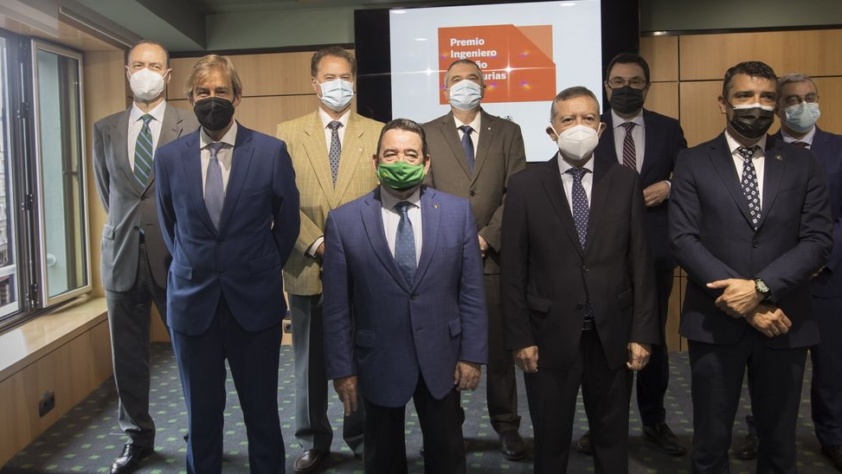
(134, 259)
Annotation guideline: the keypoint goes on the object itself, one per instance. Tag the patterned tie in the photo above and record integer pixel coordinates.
(468, 145)
(143, 152)
(214, 192)
(405, 243)
(580, 204)
(629, 153)
(335, 149)
(749, 183)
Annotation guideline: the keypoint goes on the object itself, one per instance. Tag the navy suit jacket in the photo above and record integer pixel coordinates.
(827, 147)
(386, 330)
(242, 260)
(713, 238)
(663, 140)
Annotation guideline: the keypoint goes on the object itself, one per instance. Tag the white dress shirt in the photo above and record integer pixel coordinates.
(567, 180)
(326, 119)
(638, 135)
(475, 124)
(757, 159)
(808, 138)
(136, 124)
(225, 155)
(391, 219)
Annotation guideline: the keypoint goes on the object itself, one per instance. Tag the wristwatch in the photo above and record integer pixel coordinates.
(762, 289)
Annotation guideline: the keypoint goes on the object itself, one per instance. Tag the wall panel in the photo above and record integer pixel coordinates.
(661, 52)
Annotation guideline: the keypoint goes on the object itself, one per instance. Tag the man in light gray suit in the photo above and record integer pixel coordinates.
(134, 258)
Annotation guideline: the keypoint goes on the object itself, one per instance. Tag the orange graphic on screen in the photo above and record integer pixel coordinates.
(516, 61)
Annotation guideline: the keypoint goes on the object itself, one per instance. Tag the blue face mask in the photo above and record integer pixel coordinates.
(802, 117)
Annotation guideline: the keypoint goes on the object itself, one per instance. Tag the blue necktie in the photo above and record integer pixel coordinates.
(143, 152)
(468, 145)
(580, 204)
(214, 191)
(405, 243)
(751, 189)
(335, 149)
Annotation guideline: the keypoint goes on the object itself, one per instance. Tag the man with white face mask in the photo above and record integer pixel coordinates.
(578, 289)
(331, 151)
(473, 155)
(134, 258)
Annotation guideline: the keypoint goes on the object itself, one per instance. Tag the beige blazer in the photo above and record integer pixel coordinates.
(305, 141)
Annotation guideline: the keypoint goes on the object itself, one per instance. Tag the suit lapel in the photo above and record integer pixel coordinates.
(447, 127)
(193, 172)
(317, 154)
(723, 163)
(240, 163)
(486, 135)
(559, 202)
(349, 161)
(171, 129)
(599, 194)
(650, 141)
(373, 224)
(430, 220)
(774, 166)
(120, 146)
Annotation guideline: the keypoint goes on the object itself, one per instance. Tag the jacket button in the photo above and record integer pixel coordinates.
(473, 193)
(586, 269)
(755, 244)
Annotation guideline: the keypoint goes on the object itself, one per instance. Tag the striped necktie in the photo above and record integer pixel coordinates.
(629, 152)
(143, 153)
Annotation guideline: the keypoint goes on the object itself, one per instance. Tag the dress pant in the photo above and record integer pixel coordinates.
(312, 427)
(253, 359)
(653, 380)
(501, 384)
(128, 320)
(826, 389)
(606, 392)
(775, 377)
(441, 428)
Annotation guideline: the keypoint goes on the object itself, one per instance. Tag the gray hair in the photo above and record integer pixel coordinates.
(795, 77)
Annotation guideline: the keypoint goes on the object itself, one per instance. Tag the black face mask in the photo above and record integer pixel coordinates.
(751, 123)
(214, 113)
(626, 99)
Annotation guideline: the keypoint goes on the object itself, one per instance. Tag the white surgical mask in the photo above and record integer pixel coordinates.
(578, 142)
(801, 117)
(146, 85)
(465, 95)
(337, 94)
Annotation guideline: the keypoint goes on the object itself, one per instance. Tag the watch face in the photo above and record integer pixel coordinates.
(760, 285)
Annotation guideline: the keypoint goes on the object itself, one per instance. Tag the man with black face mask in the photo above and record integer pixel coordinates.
(647, 142)
(750, 223)
(229, 212)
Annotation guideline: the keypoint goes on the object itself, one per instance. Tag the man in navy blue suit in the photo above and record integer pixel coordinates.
(228, 207)
(750, 223)
(404, 306)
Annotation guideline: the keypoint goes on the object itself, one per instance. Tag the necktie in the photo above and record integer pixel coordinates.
(143, 153)
(335, 149)
(629, 153)
(214, 192)
(580, 204)
(405, 243)
(801, 144)
(751, 190)
(468, 145)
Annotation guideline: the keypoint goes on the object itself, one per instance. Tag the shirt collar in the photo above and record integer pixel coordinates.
(619, 121)
(326, 119)
(733, 144)
(229, 138)
(475, 123)
(808, 138)
(563, 165)
(157, 113)
(388, 201)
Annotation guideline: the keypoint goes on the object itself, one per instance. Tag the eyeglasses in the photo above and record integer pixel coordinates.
(618, 82)
(797, 99)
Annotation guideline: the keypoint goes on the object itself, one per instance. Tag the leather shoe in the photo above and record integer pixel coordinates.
(748, 451)
(309, 460)
(584, 445)
(835, 455)
(661, 437)
(130, 458)
(511, 445)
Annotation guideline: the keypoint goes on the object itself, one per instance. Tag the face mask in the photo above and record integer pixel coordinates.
(803, 116)
(337, 94)
(577, 143)
(465, 95)
(214, 113)
(400, 175)
(146, 85)
(626, 99)
(752, 120)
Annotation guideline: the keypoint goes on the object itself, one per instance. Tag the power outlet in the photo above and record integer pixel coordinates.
(47, 403)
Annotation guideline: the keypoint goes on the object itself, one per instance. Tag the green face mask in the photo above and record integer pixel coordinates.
(400, 175)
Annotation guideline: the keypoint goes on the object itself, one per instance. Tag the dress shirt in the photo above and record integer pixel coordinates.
(567, 180)
(326, 119)
(758, 161)
(136, 124)
(225, 155)
(638, 135)
(808, 138)
(391, 219)
(475, 124)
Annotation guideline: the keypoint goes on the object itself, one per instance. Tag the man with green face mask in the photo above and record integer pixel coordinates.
(404, 306)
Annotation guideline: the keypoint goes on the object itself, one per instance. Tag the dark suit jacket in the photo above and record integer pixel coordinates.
(243, 260)
(663, 139)
(129, 206)
(401, 329)
(547, 277)
(498, 156)
(713, 238)
(827, 147)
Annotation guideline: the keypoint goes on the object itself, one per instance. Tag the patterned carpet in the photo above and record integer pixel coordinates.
(87, 439)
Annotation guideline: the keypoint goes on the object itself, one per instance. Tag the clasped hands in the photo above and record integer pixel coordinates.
(740, 300)
(527, 358)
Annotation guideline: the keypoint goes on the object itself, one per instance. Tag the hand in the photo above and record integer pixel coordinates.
(346, 388)
(320, 252)
(769, 320)
(739, 298)
(527, 359)
(638, 355)
(483, 245)
(466, 375)
(655, 194)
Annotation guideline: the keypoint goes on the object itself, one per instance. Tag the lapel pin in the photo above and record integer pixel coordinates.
(779, 157)
(435, 206)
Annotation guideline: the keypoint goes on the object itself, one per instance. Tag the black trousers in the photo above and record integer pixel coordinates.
(653, 380)
(501, 384)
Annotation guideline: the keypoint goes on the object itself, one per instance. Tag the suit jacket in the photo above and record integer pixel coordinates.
(242, 260)
(129, 205)
(663, 139)
(305, 137)
(827, 147)
(713, 238)
(498, 156)
(547, 278)
(386, 330)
